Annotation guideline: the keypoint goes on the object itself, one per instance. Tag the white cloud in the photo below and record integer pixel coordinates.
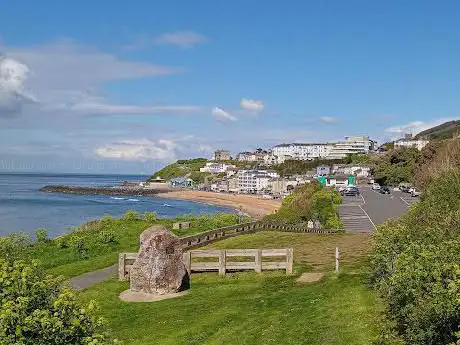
(61, 76)
(415, 127)
(222, 115)
(139, 150)
(99, 106)
(251, 105)
(328, 119)
(13, 94)
(183, 39)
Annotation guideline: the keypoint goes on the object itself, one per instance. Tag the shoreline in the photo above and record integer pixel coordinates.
(251, 205)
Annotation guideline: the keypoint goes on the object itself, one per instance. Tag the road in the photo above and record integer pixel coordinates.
(363, 213)
(381, 207)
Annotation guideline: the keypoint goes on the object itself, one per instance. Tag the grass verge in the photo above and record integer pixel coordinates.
(249, 308)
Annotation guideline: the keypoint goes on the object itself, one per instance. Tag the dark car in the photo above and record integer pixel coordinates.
(350, 191)
(384, 190)
(404, 189)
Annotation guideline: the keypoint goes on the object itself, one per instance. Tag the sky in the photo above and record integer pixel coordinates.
(127, 87)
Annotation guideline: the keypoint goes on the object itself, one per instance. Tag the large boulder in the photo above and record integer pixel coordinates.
(159, 268)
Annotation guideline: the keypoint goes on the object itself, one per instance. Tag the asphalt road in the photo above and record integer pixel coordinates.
(381, 207)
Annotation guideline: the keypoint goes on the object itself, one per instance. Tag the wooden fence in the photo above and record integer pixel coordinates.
(204, 238)
(223, 262)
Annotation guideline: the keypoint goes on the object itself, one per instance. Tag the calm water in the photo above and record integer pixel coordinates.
(24, 208)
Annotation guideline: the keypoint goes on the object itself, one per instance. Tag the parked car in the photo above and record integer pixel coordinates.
(375, 186)
(404, 189)
(384, 190)
(415, 192)
(350, 191)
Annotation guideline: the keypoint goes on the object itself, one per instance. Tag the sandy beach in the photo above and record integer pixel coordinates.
(254, 206)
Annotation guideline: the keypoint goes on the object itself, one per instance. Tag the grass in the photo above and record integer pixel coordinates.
(249, 308)
(315, 252)
(70, 261)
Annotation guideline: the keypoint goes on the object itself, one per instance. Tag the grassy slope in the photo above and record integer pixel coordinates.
(446, 130)
(67, 262)
(180, 168)
(249, 308)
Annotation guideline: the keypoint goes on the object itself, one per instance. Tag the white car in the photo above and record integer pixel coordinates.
(415, 192)
(376, 186)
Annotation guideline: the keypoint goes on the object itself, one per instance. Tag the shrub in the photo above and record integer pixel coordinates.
(415, 264)
(41, 235)
(131, 215)
(107, 219)
(61, 242)
(36, 309)
(14, 246)
(108, 237)
(150, 217)
(81, 248)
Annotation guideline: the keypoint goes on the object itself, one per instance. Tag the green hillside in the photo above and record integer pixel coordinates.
(183, 167)
(447, 130)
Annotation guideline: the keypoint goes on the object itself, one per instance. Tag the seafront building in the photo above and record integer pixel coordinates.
(351, 145)
(301, 151)
(337, 150)
(254, 181)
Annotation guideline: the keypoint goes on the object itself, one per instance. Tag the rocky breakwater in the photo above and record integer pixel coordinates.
(105, 190)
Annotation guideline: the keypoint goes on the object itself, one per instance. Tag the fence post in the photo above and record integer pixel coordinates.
(289, 260)
(188, 262)
(337, 260)
(222, 257)
(258, 258)
(121, 266)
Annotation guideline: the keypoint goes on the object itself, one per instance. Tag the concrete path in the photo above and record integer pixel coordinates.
(88, 279)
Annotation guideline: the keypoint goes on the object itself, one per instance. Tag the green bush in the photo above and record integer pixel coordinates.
(61, 242)
(415, 264)
(309, 202)
(41, 235)
(36, 309)
(150, 217)
(108, 237)
(131, 215)
(80, 246)
(15, 246)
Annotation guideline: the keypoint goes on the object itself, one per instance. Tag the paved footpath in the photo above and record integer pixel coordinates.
(88, 279)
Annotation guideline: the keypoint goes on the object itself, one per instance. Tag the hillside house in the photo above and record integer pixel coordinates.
(181, 182)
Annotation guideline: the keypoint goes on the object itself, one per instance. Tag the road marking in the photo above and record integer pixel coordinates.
(375, 228)
(364, 201)
(404, 201)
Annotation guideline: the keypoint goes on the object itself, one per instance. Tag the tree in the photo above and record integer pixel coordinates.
(35, 308)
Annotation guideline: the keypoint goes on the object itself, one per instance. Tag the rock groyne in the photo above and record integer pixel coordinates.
(105, 190)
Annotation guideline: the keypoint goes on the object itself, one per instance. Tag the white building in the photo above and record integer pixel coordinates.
(418, 144)
(356, 170)
(216, 168)
(254, 181)
(302, 151)
(351, 145)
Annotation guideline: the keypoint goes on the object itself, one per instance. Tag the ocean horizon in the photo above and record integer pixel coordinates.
(23, 208)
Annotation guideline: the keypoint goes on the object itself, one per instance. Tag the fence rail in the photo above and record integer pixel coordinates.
(204, 238)
(224, 262)
(207, 237)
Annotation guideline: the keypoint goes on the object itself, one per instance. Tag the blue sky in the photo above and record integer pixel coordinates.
(104, 86)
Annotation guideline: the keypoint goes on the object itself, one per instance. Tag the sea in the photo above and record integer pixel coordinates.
(24, 208)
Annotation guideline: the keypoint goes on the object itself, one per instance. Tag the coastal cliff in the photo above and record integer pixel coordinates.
(108, 190)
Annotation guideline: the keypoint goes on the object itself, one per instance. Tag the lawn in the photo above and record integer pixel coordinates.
(313, 252)
(250, 308)
(98, 244)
